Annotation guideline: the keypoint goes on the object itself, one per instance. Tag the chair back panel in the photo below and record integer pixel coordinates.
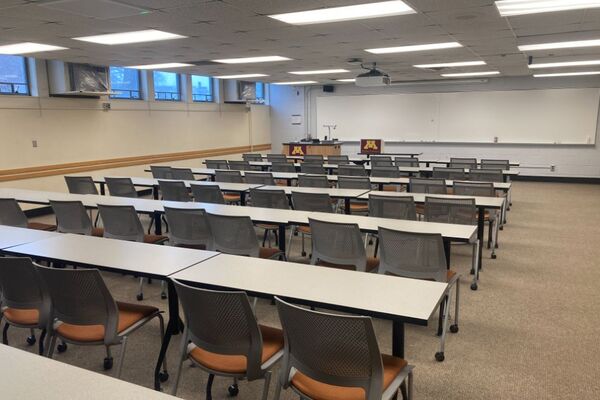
(317, 202)
(354, 182)
(188, 227)
(11, 214)
(174, 191)
(183, 174)
(121, 222)
(217, 164)
(81, 185)
(269, 199)
(207, 194)
(316, 181)
(260, 178)
(71, 217)
(392, 207)
(228, 176)
(233, 235)
(338, 244)
(121, 187)
(161, 172)
(352, 170)
(450, 211)
(424, 185)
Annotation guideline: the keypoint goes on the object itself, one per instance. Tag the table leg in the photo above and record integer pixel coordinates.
(398, 338)
(155, 192)
(447, 251)
(347, 205)
(102, 189)
(282, 237)
(243, 198)
(480, 225)
(174, 327)
(157, 223)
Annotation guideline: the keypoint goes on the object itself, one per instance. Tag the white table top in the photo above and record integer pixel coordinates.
(363, 293)
(112, 254)
(151, 182)
(28, 376)
(480, 201)
(11, 236)
(333, 192)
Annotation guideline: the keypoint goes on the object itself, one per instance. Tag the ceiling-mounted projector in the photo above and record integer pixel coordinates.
(373, 78)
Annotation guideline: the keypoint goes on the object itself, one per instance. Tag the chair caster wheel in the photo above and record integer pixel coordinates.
(108, 363)
(454, 328)
(31, 340)
(494, 256)
(472, 272)
(140, 297)
(233, 390)
(473, 286)
(163, 376)
(501, 228)
(61, 348)
(163, 296)
(439, 356)
(370, 242)
(303, 254)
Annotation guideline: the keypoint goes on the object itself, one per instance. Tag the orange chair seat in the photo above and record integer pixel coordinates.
(154, 238)
(359, 207)
(392, 367)
(40, 226)
(98, 232)
(231, 197)
(129, 314)
(372, 263)
(268, 252)
(304, 229)
(420, 208)
(450, 275)
(269, 227)
(22, 316)
(237, 364)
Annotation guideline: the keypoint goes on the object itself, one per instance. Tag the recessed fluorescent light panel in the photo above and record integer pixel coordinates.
(567, 74)
(461, 74)
(451, 64)
(346, 13)
(509, 8)
(561, 45)
(245, 60)
(320, 71)
(161, 66)
(28, 47)
(565, 64)
(294, 83)
(150, 35)
(346, 80)
(416, 47)
(240, 76)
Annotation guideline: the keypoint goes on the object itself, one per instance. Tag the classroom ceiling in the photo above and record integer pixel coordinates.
(240, 28)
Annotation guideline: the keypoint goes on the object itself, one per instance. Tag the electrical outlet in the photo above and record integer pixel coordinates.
(553, 168)
(34, 143)
(106, 106)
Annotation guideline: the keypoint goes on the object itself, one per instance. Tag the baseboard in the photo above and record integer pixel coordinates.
(557, 179)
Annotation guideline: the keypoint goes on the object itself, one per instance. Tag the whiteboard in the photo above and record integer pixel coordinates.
(550, 116)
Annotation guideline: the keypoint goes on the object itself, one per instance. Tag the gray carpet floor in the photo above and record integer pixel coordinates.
(531, 331)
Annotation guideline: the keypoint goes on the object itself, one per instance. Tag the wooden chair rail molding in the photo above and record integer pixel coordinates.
(75, 167)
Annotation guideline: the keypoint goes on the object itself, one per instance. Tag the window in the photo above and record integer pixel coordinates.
(13, 75)
(260, 91)
(125, 83)
(202, 89)
(166, 86)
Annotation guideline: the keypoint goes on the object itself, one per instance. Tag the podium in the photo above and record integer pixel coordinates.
(309, 148)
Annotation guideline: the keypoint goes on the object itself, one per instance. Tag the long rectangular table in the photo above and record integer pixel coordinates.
(346, 194)
(29, 376)
(12, 236)
(146, 260)
(400, 300)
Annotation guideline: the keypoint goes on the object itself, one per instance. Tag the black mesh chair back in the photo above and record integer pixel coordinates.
(381, 162)
(22, 288)
(314, 159)
(188, 228)
(161, 172)
(385, 172)
(71, 217)
(272, 158)
(340, 160)
(260, 178)
(11, 214)
(207, 194)
(233, 235)
(450, 210)
(217, 164)
(283, 166)
(121, 222)
(316, 169)
(269, 199)
(485, 189)
(503, 165)
(317, 202)
(121, 187)
(486, 175)
(240, 165)
(338, 350)
(183, 174)
(424, 185)
(463, 162)
(412, 255)
(406, 162)
(316, 181)
(228, 176)
(81, 185)
(396, 207)
(352, 170)
(449, 173)
(222, 322)
(354, 182)
(252, 157)
(337, 243)
(174, 191)
(80, 297)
